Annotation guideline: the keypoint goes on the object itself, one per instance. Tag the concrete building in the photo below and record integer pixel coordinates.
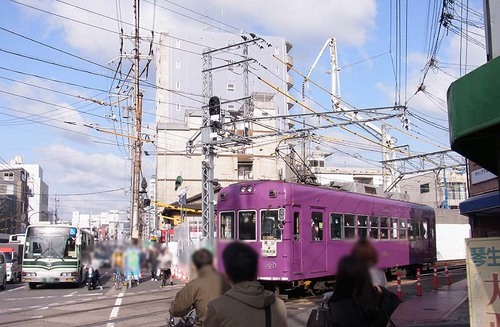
(179, 116)
(39, 203)
(109, 225)
(14, 200)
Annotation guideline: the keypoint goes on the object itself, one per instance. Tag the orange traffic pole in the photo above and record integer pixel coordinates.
(436, 285)
(448, 281)
(419, 283)
(400, 294)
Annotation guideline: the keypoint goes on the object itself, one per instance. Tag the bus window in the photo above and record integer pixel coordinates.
(394, 228)
(336, 226)
(247, 226)
(317, 226)
(227, 225)
(402, 229)
(296, 226)
(374, 228)
(269, 229)
(384, 228)
(349, 226)
(362, 226)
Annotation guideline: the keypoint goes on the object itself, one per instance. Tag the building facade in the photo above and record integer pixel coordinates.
(14, 200)
(179, 115)
(39, 203)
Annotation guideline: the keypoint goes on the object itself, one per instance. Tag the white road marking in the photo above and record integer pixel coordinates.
(35, 307)
(70, 294)
(15, 309)
(116, 308)
(91, 294)
(36, 317)
(17, 288)
(44, 308)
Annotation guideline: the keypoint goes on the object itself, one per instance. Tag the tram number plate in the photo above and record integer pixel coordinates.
(269, 248)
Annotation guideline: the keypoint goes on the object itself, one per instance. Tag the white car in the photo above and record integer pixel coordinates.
(3, 271)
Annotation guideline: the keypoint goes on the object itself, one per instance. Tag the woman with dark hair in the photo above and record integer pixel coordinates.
(367, 253)
(356, 302)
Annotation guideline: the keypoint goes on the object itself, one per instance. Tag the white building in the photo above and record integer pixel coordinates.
(178, 107)
(39, 201)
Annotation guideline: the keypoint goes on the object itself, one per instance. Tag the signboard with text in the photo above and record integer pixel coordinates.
(483, 281)
(269, 248)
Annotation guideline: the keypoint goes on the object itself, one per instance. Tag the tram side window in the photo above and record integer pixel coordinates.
(296, 226)
(269, 228)
(402, 229)
(374, 228)
(349, 226)
(227, 225)
(362, 226)
(394, 229)
(413, 230)
(247, 226)
(384, 228)
(336, 225)
(423, 230)
(317, 226)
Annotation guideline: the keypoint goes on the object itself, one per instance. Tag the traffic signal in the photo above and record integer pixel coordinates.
(214, 106)
(178, 182)
(147, 202)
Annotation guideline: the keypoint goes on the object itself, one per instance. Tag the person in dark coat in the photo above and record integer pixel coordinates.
(356, 302)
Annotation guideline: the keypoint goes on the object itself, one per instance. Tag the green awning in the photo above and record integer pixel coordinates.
(474, 115)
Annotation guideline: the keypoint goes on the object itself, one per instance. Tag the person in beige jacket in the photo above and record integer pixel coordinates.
(207, 286)
(247, 304)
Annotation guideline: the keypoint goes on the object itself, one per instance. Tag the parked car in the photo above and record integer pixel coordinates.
(3, 271)
(13, 266)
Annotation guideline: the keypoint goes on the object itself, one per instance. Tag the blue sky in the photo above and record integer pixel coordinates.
(79, 159)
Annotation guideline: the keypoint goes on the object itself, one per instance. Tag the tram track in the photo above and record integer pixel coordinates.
(99, 308)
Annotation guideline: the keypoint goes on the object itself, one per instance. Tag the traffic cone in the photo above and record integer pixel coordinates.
(419, 283)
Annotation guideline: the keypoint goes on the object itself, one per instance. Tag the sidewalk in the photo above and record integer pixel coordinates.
(445, 307)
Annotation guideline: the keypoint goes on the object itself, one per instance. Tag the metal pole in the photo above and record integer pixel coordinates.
(138, 125)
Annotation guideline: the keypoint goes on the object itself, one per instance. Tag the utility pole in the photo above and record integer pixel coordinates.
(137, 146)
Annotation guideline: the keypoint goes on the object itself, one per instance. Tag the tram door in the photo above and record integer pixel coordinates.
(297, 243)
(317, 234)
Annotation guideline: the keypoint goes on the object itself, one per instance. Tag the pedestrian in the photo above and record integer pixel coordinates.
(247, 304)
(356, 302)
(367, 253)
(165, 264)
(197, 293)
(153, 261)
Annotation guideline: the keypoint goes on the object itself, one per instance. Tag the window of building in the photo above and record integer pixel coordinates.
(317, 226)
(277, 70)
(349, 226)
(178, 85)
(336, 225)
(384, 228)
(227, 225)
(277, 50)
(178, 107)
(230, 87)
(6, 189)
(269, 225)
(362, 226)
(456, 190)
(230, 107)
(247, 226)
(394, 229)
(178, 64)
(296, 226)
(402, 229)
(178, 44)
(424, 188)
(8, 176)
(374, 228)
(245, 170)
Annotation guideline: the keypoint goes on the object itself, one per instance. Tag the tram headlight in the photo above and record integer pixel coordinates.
(249, 189)
(243, 189)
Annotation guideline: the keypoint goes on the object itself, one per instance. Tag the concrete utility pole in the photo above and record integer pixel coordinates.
(137, 147)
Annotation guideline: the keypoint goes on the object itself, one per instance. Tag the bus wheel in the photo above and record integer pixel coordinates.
(32, 286)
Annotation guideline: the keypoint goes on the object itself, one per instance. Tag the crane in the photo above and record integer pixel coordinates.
(388, 143)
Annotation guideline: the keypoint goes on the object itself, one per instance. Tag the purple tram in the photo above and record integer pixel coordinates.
(302, 231)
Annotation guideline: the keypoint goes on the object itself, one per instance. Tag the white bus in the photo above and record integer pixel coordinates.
(55, 254)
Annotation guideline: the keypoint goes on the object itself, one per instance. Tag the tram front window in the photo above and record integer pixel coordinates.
(247, 227)
(269, 229)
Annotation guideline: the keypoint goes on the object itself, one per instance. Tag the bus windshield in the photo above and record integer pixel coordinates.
(50, 242)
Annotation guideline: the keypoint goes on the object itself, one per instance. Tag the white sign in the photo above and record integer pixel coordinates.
(269, 248)
(483, 281)
(481, 175)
